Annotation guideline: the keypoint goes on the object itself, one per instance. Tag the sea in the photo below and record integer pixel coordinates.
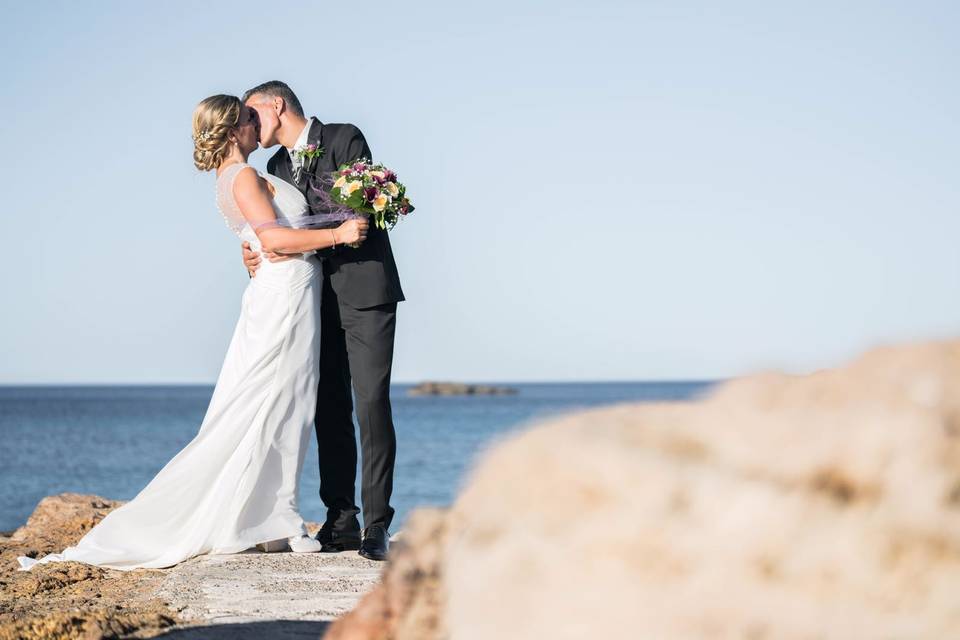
(111, 440)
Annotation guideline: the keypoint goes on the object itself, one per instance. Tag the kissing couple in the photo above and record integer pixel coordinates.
(316, 328)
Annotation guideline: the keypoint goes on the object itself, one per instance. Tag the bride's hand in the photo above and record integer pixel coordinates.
(353, 231)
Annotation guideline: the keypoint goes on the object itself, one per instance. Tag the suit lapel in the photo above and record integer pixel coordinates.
(315, 136)
(282, 166)
(311, 170)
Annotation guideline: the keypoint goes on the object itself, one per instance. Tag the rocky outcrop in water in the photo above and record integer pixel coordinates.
(458, 389)
(822, 506)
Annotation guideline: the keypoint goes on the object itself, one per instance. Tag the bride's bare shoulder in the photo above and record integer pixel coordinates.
(249, 183)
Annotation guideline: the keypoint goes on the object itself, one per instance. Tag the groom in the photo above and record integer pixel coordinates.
(361, 290)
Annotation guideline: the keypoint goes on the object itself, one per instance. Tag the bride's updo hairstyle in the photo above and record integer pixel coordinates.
(213, 119)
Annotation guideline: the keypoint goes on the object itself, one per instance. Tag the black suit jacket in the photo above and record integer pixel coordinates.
(363, 277)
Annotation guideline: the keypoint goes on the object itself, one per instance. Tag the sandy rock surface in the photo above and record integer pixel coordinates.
(72, 600)
(254, 587)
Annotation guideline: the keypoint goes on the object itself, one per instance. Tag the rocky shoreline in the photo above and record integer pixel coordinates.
(792, 507)
(247, 595)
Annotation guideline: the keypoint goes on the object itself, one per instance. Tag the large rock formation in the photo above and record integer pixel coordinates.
(823, 506)
(71, 600)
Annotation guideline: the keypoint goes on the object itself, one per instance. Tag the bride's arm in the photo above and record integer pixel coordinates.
(253, 199)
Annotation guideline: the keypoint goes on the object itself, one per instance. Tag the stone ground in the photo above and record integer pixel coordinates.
(256, 595)
(248, 595)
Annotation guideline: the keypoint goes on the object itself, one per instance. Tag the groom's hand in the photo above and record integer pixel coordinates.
(251, 259)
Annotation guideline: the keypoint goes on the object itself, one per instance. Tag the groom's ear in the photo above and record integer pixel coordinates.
(279, 105)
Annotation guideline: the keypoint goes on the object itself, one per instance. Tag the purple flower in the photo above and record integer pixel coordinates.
(379, 180)
(311, 148)
(389, 176)
(359, 167)
(370, 194)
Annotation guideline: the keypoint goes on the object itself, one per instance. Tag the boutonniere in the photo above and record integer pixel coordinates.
(307, 157)
(308, 154)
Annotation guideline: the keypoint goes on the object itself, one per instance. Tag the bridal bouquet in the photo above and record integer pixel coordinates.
(371, 189)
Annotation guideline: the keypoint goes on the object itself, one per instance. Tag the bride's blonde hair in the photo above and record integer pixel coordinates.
(213, 119)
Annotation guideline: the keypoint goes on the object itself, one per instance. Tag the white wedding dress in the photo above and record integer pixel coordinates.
(235, 484)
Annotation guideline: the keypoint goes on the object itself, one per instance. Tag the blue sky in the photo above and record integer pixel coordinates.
(605, 190)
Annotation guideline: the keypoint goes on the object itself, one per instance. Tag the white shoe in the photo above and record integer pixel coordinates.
(304, 544)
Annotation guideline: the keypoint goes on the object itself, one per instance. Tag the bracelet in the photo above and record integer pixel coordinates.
(334, 235)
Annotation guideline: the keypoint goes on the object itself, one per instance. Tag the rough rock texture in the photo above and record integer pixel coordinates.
(823, 506)
(72, 600)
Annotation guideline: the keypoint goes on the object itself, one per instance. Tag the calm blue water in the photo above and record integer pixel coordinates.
(111, 440)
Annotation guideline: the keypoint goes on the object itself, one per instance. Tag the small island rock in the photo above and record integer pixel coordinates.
(459, 389)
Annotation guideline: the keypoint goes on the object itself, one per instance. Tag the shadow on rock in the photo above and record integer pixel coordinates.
(273, 629)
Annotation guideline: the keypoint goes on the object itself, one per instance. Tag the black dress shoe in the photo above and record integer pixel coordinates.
(376, 542)
(334, 541)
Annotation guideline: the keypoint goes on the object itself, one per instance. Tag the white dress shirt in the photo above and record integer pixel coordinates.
(300, 143)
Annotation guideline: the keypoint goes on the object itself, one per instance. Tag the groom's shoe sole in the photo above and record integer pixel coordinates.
(337, 547)
(371, 555)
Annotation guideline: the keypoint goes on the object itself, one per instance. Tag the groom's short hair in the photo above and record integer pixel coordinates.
(277, 89)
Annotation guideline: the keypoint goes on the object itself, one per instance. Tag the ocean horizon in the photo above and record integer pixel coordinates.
(110, 440)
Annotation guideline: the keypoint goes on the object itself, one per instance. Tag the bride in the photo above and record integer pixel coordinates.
(235, 484)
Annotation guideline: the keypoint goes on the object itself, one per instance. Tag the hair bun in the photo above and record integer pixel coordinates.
(213, 119)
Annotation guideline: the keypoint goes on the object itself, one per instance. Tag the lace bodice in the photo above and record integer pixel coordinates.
(288, 203)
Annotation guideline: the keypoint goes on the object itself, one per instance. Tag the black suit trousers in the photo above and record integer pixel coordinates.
(356, 349)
